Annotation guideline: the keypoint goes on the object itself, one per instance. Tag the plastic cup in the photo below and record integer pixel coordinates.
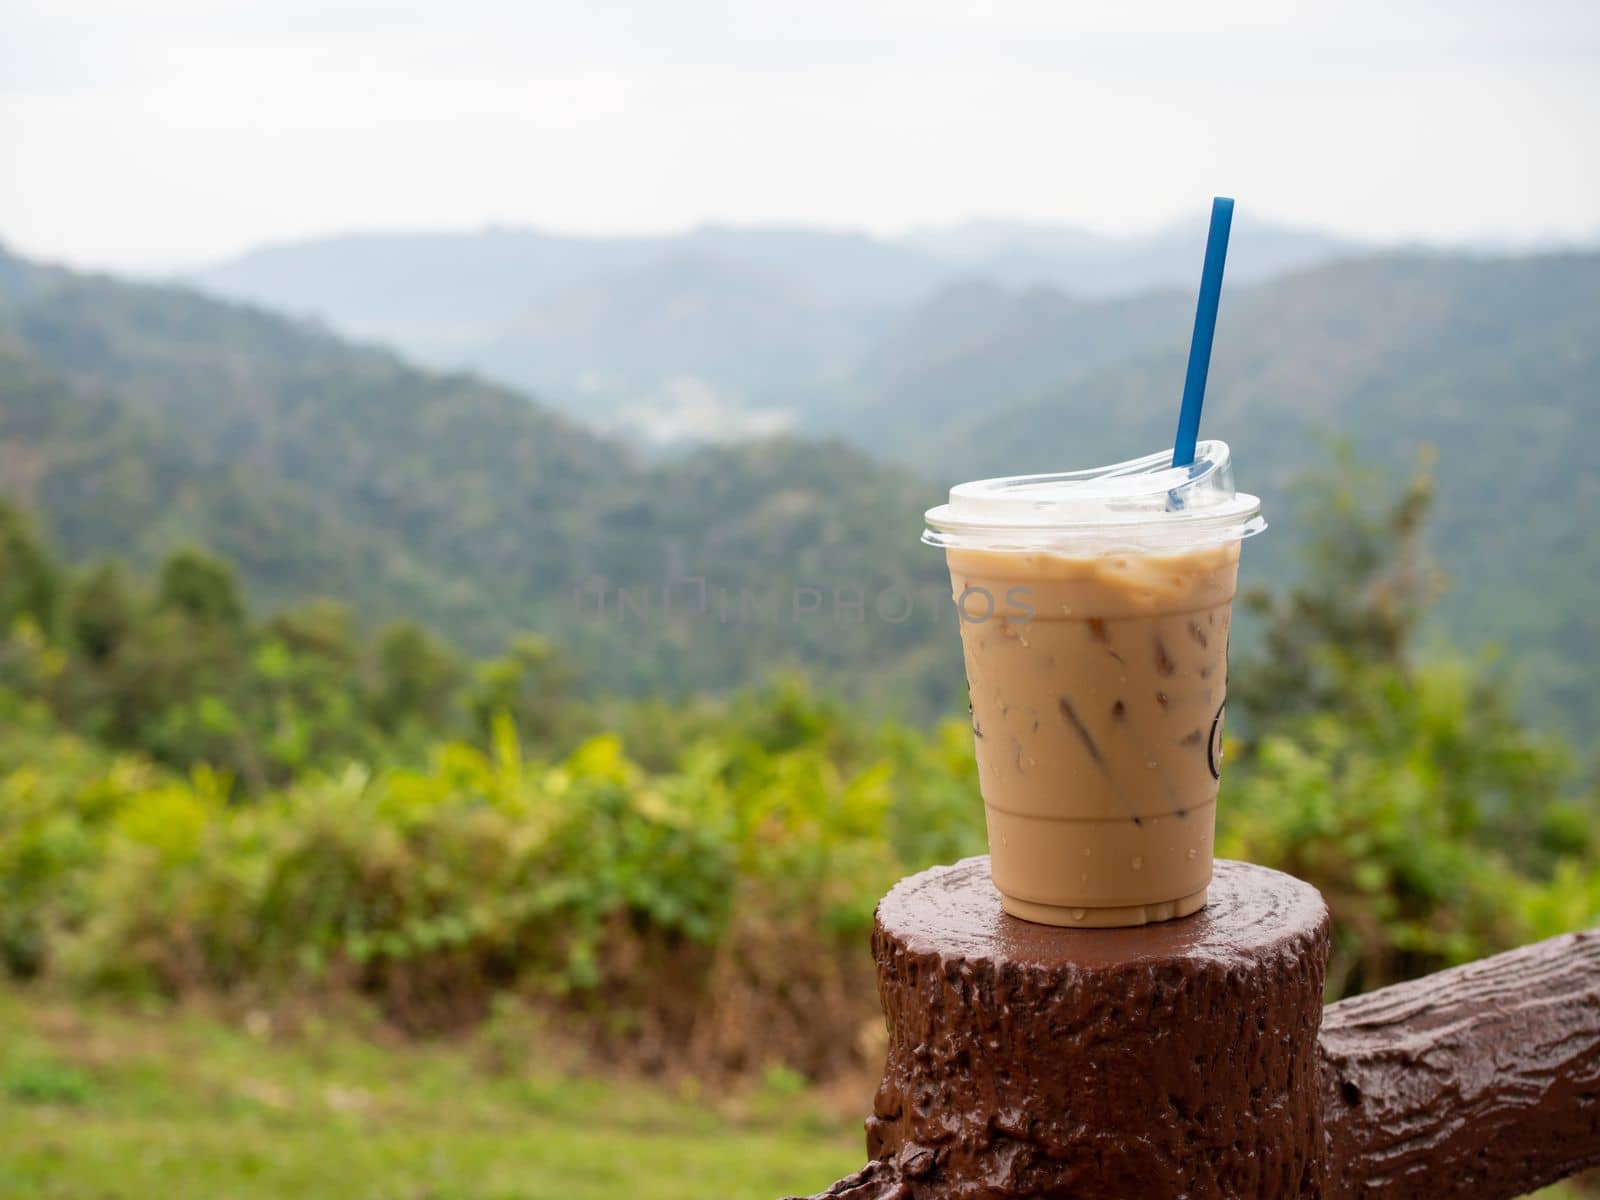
(1094, 611)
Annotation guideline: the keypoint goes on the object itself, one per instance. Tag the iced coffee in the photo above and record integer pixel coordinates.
(1094, 610)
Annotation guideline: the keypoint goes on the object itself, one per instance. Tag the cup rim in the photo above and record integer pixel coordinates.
(1140, 503)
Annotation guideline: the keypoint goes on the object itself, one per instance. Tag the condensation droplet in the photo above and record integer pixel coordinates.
(1191, 853)
(1084, 878)
(1079, 914)
(1151, 764)
(1087, 852)
(1137, 864)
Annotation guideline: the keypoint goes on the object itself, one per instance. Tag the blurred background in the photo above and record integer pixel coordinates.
(467, 667)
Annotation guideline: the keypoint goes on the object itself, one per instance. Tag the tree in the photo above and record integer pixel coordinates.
(30, 581)
(1406, 788)
(202, 586)
(533, 684)
(417, 679)
(1366, 586)
(99, 612)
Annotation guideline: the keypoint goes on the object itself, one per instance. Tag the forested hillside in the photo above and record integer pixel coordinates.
(108, 481)
(203, 800)
(223, 789)
(137, 418)
(443, 497)
(718, 332)
(1491, 363)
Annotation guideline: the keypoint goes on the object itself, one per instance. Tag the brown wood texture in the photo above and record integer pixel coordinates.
(1174, 1059)
(1482, 1081)
(1184, 1059)
(880, 1179)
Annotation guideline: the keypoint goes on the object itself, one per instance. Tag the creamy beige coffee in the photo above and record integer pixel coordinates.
(1094, 612)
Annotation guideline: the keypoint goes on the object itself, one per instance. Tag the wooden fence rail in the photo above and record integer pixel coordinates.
(1194, 1058)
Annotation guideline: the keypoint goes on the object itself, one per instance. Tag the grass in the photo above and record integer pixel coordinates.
(115, 1106)
(111, 1105)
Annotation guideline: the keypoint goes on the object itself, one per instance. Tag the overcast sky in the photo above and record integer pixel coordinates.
(154, 133)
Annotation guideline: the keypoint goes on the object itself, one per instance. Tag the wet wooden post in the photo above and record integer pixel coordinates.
(1194, 1058)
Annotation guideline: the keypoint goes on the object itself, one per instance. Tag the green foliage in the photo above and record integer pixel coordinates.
(99, 613)
(1366, 585)
(1383, 813)
(417, 679)
(178, 671)
(139, 419)
(533, 684)
(192, 799)
(29, 583)
(201, 588)
(283, 809)
(1438, 826)
(431, 888)
(1493, 361)
(147, 419)
(108, 480)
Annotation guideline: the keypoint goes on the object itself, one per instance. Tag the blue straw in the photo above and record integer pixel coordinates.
(1205, 327)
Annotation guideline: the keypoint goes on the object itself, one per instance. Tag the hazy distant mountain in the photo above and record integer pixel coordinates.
(716, 333)
(712, 334)
(1086, 264)
(829, 268)
(440, 494)
(976, 346)
(685, 348)
(429, 295)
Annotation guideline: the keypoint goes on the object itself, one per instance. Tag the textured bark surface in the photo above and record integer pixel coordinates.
(1183, 1060)
(1169, 1060)
(1482, 1081)
(878, 1180)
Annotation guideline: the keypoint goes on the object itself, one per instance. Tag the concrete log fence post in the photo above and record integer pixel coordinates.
(1193, 1059)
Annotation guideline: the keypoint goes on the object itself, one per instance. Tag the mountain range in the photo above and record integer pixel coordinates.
(135, 417)
(715, 334)
(1493, 363)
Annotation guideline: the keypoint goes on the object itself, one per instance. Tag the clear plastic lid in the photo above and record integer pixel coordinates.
(1145, 503)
